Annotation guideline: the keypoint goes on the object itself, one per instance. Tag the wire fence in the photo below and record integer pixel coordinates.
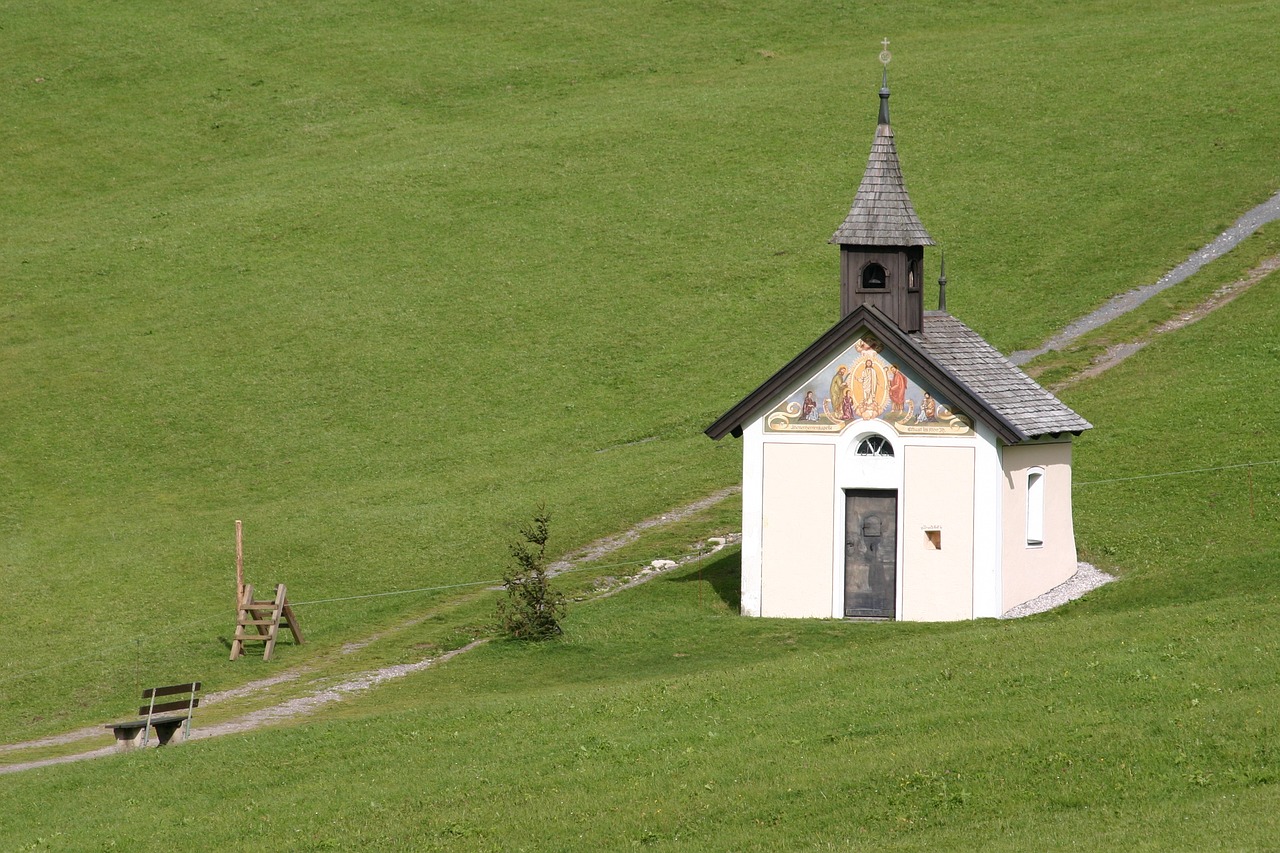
(495, 582)
(105, 651)
(1180, 473)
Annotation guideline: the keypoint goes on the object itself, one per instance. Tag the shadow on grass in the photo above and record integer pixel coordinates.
(724, 574)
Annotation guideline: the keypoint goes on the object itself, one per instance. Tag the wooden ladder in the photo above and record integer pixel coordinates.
(264, 616)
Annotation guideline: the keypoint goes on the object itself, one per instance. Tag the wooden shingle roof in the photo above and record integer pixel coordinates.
(882, 214)
(996, 380)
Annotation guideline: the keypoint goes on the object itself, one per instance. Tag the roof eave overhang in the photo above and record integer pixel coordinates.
(876, 241)
(830, 343)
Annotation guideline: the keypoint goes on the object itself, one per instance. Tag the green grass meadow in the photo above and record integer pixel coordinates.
(378, 279)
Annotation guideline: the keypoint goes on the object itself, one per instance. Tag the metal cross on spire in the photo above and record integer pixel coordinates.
(885, 56)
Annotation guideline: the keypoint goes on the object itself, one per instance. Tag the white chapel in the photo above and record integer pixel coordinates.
(900, 467)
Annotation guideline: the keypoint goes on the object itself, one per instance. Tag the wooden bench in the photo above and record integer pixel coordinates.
(131, 734)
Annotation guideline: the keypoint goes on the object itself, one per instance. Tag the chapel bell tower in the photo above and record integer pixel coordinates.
(882, 240)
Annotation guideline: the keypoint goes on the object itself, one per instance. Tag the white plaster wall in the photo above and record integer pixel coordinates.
(796, 529)
(988, 520)
(1031, 570)
(752, 510)
(979, 491)
(937, 584)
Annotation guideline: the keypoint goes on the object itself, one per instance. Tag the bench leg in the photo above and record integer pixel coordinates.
(129, 737)
(165, 732)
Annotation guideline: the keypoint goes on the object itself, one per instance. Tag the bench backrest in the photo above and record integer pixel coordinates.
(189, 690)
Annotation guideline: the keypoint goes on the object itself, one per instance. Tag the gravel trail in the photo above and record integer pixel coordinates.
(1266, 212)
(361, 682)
(1117, 353)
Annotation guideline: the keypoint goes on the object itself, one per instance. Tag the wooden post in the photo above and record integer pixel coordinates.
(264, 616)
(239, 563)
(244, 606)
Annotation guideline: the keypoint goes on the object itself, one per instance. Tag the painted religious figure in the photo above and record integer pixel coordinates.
(861, 384)
(809, 408)
(897, 390)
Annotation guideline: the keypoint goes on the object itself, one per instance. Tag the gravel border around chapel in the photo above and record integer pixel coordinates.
(1086, 578)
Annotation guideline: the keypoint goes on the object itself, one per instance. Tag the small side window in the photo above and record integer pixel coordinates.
(1035, 507)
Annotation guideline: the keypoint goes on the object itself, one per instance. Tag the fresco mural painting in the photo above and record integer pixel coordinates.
(863, 384)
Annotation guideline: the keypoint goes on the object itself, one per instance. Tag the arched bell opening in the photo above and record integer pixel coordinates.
(874, 277)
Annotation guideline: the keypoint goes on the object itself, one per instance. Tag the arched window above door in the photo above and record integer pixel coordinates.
(875, 445)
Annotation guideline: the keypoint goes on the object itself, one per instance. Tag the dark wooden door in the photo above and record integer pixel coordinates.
(870, 553)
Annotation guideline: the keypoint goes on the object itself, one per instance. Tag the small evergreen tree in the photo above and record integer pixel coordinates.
(532, 609)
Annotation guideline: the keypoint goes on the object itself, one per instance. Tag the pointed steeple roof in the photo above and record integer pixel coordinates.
(882, 214)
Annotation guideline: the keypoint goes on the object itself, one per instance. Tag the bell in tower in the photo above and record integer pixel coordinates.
(882, 240)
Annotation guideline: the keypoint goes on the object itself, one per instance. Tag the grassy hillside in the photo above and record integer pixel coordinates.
(1138, 718)
(377, 279)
